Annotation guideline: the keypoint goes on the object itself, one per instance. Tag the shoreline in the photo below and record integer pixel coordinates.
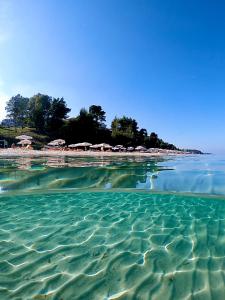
(9, 152)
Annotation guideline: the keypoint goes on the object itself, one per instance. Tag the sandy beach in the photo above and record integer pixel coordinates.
(9, 152)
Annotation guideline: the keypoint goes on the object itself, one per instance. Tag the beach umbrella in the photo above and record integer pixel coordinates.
(58, 142)
(24, 142)
(96, 146)
(115, 148)
(130, 149)
(123, 148)
(140, 148)
(52, 144)
(104, 145)
(119, 146)
(84, 144)
(24, 137)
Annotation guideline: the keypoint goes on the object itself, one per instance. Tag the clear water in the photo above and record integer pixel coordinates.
(78, 228)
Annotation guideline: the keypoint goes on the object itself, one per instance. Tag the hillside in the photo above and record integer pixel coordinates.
(10, 133)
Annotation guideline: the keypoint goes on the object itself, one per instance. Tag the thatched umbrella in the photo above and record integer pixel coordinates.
(115, 149)
(96, 146)
(140, 148)
(105, 146)
(24, 137)
(119, 148)
(80, 145)
(58, 142)
(72, 146)
(24, 142)
(84, 144)
(101, 146)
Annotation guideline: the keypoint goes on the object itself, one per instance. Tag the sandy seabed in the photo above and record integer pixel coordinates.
(98, 246)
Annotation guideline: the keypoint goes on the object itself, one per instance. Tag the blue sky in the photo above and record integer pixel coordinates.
(161, 62)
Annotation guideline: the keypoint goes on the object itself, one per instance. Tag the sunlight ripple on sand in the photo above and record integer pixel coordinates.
(117, 245)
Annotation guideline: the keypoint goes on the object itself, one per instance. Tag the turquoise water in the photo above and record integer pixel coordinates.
(79, 228)
(191, 174)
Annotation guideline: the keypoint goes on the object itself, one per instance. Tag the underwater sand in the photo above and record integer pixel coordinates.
(108, 245)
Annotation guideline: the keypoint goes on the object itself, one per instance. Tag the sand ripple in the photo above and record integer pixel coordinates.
(111, 246)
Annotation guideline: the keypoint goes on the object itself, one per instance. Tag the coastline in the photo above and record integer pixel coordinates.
(9, 152)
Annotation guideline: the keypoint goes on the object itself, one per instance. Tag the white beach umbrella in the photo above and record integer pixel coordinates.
(115, 148)
(53, 144)
(96, 146)
(140, 148)
(104, 145)
(24, 137)
(58, 142)
(119, 148)
(84, 144)
(25, 142)
(130, 149)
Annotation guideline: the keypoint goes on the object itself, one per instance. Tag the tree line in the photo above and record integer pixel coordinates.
(49, 115)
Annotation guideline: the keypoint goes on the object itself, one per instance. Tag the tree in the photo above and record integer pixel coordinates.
(98, 114)
(57, 113)
(124, 130)
(153, 140)
(39, 111)
(17, 110)
(88, 126)
(142, 136)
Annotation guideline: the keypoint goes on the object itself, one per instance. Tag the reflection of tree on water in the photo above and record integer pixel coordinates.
(66, 172)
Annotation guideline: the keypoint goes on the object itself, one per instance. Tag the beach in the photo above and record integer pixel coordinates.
(9, 152)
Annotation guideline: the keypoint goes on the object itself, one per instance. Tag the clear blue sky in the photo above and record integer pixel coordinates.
(161, 62)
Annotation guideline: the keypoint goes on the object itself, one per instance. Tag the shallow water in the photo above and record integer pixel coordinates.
(194, 174)
(123, 241)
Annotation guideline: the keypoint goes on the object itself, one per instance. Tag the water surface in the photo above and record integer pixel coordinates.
(193, 174)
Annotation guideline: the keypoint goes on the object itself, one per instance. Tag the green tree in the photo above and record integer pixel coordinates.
(80, 128)
(88, 126)
(124, 131)
(98, 114)
(153, 140)
(39, 111)
(57, 114)
(17, 110)
(142, 136)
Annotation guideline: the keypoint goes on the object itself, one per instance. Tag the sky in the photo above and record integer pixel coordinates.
(160, 62)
